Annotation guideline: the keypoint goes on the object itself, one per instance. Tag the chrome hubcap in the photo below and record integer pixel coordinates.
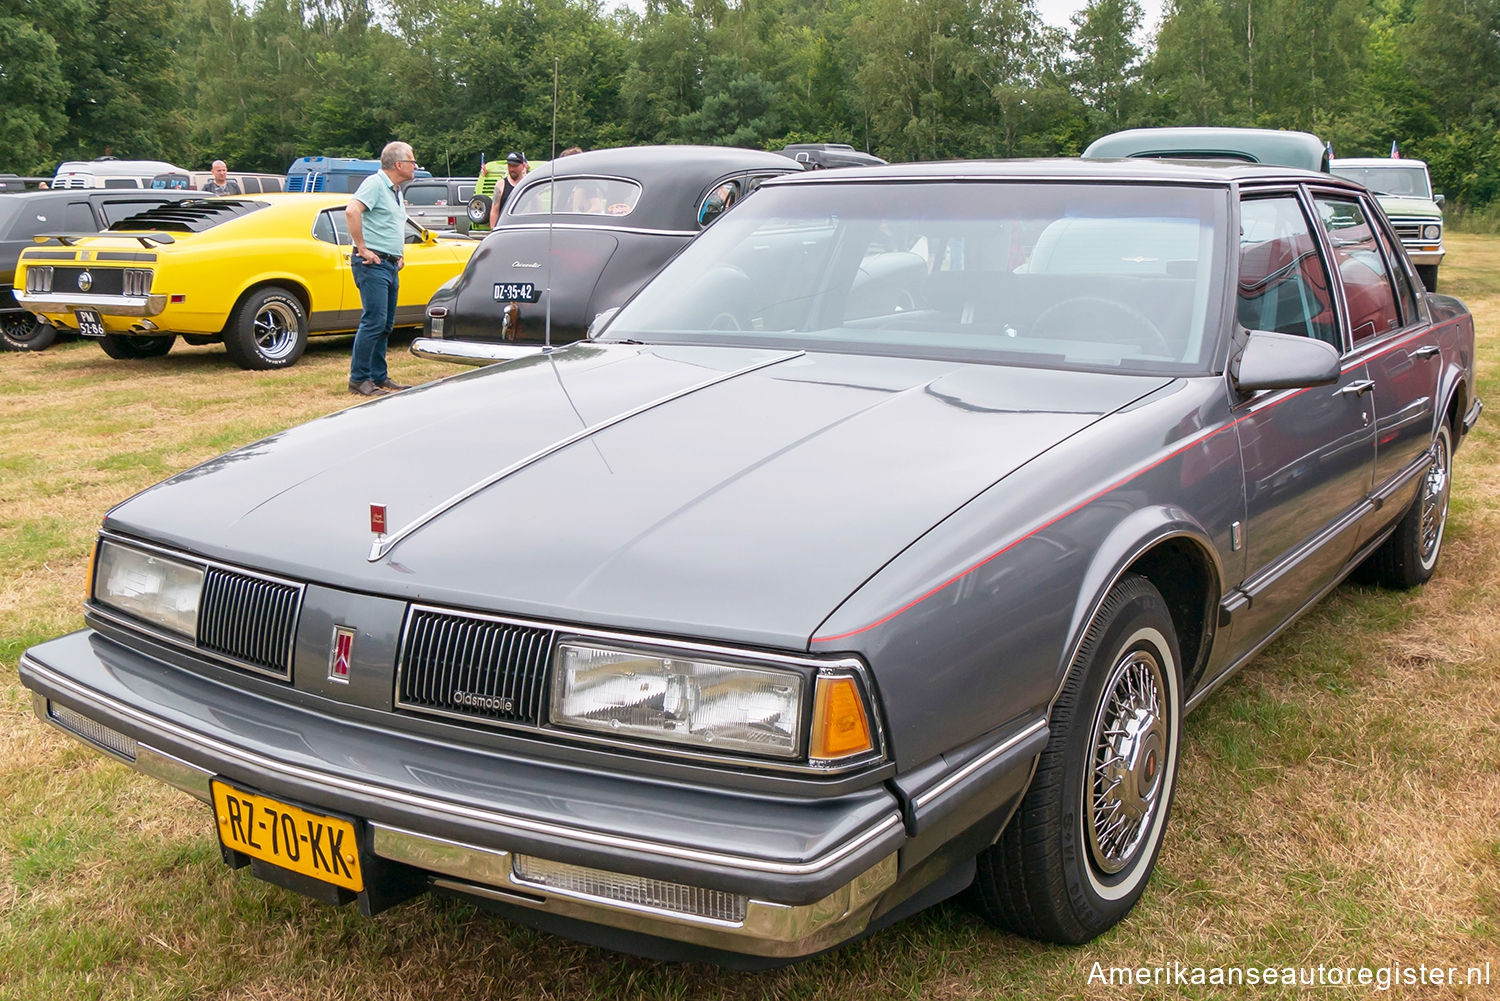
(1127, 761)
(1434, 503)
(275, 328)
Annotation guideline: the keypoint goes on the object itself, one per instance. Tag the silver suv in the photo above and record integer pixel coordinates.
(440, 203)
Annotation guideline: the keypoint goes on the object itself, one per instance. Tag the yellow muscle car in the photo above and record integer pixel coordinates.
(258, 273)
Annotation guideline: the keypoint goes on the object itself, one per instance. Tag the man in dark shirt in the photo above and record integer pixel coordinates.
(515, 169)
(222, 184)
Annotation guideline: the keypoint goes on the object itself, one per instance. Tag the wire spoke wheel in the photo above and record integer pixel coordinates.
(1125, 775)
(1435, 489)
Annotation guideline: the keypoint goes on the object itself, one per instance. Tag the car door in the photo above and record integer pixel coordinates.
(1308, 454)
(1386, 323)
(331, 228)
(429, 263)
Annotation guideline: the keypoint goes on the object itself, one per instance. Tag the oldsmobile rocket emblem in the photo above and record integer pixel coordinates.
(341, 655)
(85, 281)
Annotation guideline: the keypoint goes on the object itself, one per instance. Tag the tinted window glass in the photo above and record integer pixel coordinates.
(1087, 275)
(1283, 285)
(79, 218)
(1406, 295)
(332, 226)
(1357, 254)
(249, 185)
(270, 184)
(121, 182)
(426, 194)
(580, 195)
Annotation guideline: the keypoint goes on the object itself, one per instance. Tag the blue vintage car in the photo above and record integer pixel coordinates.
(874, 551)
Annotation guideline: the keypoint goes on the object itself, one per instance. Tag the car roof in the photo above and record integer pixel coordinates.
(1267, 146)
(1377, 161)
(673, 179)
(1218, 172)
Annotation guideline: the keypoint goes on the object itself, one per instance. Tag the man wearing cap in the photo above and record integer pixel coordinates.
(377, 228)
(515, 169)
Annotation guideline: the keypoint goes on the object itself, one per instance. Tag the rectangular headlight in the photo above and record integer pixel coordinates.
(162, 591)
(677, 699)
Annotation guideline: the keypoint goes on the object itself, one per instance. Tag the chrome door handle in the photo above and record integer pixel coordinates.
(1428, 351)
(1358, 388)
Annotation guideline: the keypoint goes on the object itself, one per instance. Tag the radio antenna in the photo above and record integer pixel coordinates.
(551, 212)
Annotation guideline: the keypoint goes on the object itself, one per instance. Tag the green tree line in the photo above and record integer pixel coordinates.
(261, 84)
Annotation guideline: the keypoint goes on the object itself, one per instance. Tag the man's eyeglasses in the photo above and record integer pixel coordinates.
(412, 162)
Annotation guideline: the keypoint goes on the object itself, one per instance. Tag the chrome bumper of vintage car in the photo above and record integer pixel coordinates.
(108, 305)
(471, 352)
(132, 711)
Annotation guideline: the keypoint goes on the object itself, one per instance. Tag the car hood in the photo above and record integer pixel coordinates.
(729, 493)
(1396, 205)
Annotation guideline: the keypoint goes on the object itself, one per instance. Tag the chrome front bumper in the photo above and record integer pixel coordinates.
(865, 859)
(105, 305)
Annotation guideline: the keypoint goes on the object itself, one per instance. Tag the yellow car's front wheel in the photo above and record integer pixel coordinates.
(268, 330)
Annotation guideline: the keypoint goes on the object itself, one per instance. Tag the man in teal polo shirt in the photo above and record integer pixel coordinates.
(377, 227)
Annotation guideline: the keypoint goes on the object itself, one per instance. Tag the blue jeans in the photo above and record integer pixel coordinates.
(377, 285)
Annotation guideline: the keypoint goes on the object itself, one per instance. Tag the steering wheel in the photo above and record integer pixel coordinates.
(1102, 316)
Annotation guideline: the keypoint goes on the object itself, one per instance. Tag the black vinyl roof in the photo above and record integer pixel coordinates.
(191, 215)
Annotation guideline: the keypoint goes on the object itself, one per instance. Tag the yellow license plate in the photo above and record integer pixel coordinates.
(307, 843)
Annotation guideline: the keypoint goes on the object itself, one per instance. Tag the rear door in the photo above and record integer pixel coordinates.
(1387, 323)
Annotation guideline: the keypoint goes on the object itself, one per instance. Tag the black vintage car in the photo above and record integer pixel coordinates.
(25, 214)
(621, 214)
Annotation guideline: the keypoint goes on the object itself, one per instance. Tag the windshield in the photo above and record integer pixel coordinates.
(1073, 275)
(1396, 179)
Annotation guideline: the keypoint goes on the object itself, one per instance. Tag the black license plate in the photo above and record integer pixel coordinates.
(515, 292)
(89, 323)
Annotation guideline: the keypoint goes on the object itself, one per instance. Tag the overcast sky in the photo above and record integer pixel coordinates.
(1060, 12)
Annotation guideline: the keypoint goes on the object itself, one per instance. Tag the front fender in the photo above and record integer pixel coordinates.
(1154, 541)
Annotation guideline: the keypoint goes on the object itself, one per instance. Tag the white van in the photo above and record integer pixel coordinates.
(107, 172)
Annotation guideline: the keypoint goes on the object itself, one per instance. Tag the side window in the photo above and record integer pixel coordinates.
(79, 218)
(1283, 285)
(1406, 295)
(426, 194)
(121, 182)
(270, 184)
(332, 227)
(249, 185)
(323, 228)
(1357, 254)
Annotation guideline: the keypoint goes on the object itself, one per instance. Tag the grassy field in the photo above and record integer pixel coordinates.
(1338, 804)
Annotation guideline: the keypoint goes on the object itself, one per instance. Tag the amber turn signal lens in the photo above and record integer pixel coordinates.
(840, 727)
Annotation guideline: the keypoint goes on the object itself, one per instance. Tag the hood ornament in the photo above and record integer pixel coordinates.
(377, 521)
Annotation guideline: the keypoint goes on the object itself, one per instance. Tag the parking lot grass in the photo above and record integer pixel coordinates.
(1337, 801)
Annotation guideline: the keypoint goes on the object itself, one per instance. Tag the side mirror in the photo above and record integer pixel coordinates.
(1439, 199)
(1283, 361)
(597, 325)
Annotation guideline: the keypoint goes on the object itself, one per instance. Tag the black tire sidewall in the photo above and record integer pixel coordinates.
(42, 335)
(243, 349)
(1134, 615)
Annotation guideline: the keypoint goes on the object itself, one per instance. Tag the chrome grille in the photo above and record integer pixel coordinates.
(473, 667)
(249, 619)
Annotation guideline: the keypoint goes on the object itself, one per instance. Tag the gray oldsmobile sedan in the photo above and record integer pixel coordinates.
(873, 552)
